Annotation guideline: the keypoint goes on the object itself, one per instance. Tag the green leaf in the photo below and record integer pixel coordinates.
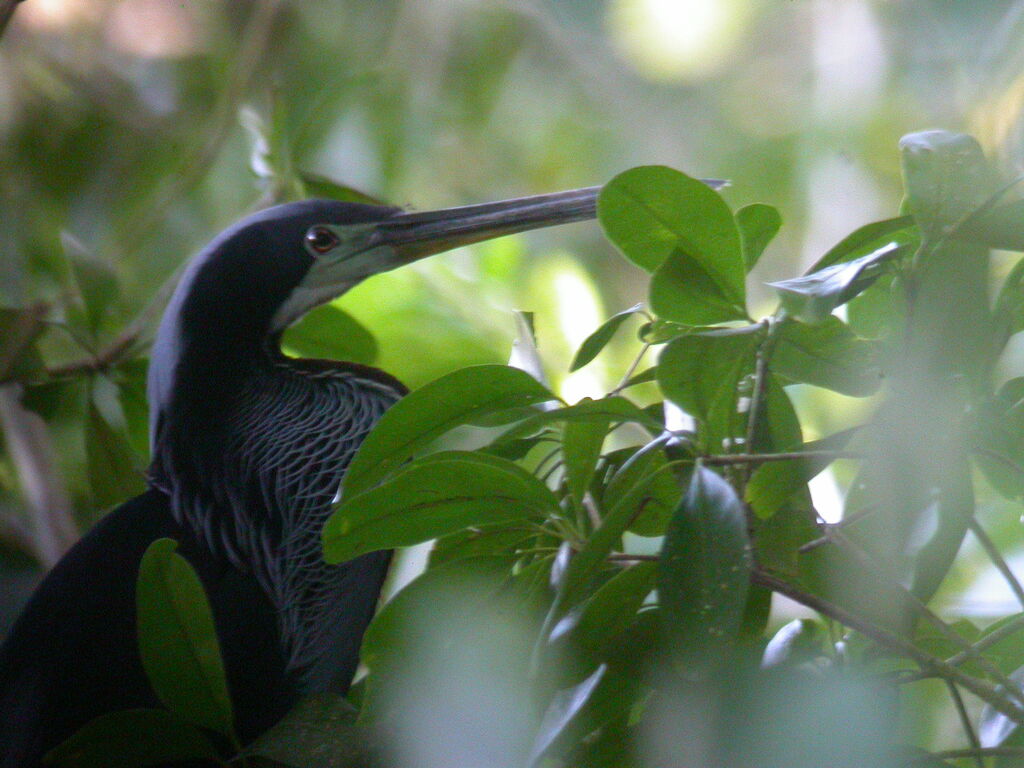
(595, 342)
(704, 573)
(95, 278)
(178, 641)
(607, 613)
(643, 484)
(581, 448)
(683, 291)
(110, 463)
(320, 730)
(434, 496)
(1000, 227)
(322, 186)
(868, 239)
(652, 212)
(19, 329)
(758, 224)
(133, 738)
(997, 438)
(946, 176)
(827, 355)
(701, 374)
(812, 298)
(331, 333)
(426, 414)
(775, 482)
(500, 540)
(612, 409)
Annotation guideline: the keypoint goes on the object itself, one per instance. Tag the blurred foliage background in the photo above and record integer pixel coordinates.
(131, 131)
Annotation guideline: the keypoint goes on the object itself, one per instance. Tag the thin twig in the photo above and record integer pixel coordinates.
(997, 559)
(721, 460)
(757, 397)
(629, 371)
(965, 721)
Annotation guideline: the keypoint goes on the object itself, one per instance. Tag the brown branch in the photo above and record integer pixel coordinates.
(936, 666)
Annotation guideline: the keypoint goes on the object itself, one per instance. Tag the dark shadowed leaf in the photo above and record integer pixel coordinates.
(331, 333)
(758, 224)
(133, 738)
(644, 483)
(827, 355)
(434, 496)
(113, 476)
(19, 329)
(177, 639)
(704, 572)
(321, 730)
(429, 412)
(595, 342)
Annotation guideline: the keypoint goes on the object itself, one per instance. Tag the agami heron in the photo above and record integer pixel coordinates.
(249, 449)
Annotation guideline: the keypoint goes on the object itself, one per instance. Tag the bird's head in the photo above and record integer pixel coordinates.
(268, 270)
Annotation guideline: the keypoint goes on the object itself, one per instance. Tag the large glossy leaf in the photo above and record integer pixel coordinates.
(827, 355)
(178, 641)
(615, 410)
(133, 738)
(646, 485)
(704, 572)
(332, 333)
(429, 412)
(651, 211)
(813, 297)
(758, 224)
(595, 342)
(564, 707)
(684, 292)
(434, 496)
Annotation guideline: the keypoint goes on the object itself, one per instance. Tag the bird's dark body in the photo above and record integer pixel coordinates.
(249, 450)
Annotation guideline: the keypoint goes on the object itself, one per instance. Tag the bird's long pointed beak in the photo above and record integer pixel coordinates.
(416, 235)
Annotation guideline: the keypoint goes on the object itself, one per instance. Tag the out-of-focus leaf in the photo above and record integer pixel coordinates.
(178, 642)
(758, 224)
(1008, 312)
(704, 573)
(880, 310)
(95, 278)
(564, 707)
(426, 414)
(1000, 227)
(131, 388)
(322, 186)
(133, 738)
(434, 496)
(827, 355)
(581, 448)
(774, 482)
(946, 176)
(997, 438)
(113, 475)
(331, 333)
(525, 356)
(660, 331)
(320, 730)
(701, 374)
(19, 329)
(595, 342)
(813, 297)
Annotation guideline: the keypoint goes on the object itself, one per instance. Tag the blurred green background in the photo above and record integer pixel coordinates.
(132, 131)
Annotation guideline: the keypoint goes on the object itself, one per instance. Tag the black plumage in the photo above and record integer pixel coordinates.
(249, 449)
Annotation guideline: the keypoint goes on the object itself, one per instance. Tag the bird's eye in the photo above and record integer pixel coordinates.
(321, 239)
